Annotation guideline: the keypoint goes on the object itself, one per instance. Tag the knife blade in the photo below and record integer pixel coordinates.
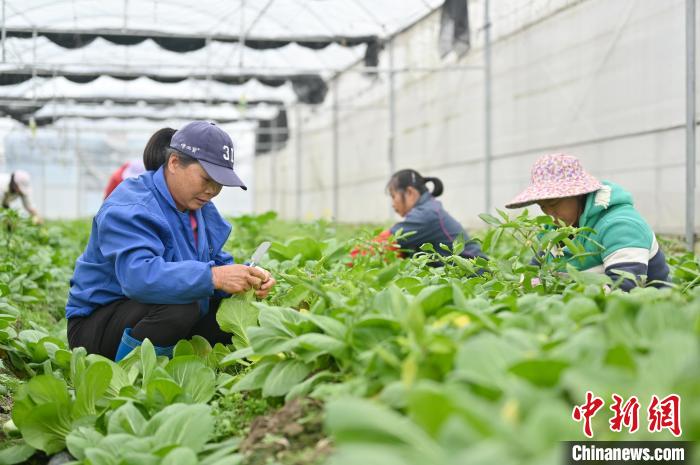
(259, 253)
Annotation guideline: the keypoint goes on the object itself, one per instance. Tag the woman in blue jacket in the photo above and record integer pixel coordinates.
(154, 265)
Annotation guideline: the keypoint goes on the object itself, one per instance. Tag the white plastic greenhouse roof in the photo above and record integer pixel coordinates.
(148, 57)
(108, 88)
(261, 19)
(222, 113)
(78, 52)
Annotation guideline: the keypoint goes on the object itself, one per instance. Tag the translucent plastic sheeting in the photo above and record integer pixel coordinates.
(138, 124)
(178, 111)
(108, 88)
(148, 58)
(257, 19)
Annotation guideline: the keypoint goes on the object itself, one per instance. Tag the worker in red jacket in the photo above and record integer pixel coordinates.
(130, 169)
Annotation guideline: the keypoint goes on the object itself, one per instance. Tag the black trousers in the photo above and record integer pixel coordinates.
(163, 324)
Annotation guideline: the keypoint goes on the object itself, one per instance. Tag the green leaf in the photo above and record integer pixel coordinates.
(330, 326)
(581, 308)
(81, 439)
(620, 356)
(19, 453)
(46, 426)
(201, 346)
(197, 380)
(429, 406)
(359, 421)
(541, 372)
(285, 320)
(77, 364)
(306, 248)
(44, 389)
(388, 273)
(180, 456)
(94, 384)
(148, 361)
(254, 379)
(490, 219)
(162, 391)
(284, 376)
(126, 419)
(236, 357)
(305, 387)
(432, 298)
(269, 341)
(585, 278)
(182, 348)
(234, 316)
(186, 425)
(464, 306)
(319, 344)
(484, 360)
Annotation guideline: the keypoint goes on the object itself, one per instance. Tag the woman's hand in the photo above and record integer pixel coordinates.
(266, 284)
(237, 279)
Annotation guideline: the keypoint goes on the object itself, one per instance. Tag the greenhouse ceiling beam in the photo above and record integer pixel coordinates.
(27, 101)
(44, 121)
(251, 72)
(29, 71)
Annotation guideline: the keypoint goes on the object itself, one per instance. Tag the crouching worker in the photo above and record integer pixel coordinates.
(566, 192)
(423, 216)
(154, 265)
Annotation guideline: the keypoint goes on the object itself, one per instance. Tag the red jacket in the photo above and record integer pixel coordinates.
(115, 179)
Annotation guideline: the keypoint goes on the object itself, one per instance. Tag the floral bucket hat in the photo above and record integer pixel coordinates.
(553, 177)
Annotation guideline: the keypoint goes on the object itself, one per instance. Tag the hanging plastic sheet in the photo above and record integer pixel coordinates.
(454, 28)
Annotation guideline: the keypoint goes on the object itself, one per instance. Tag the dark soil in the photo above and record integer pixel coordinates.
(292, 435)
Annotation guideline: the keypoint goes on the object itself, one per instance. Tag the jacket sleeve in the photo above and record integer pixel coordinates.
(411, 224)
(129, 238)
(626, 245)
(221, 259)
(27, 203)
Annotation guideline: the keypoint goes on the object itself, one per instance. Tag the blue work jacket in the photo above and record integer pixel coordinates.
(142, 247)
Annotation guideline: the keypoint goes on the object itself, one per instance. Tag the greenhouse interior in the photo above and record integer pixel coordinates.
(349, 232)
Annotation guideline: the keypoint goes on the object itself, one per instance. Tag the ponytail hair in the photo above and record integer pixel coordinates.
(157, 149)
(402, 180)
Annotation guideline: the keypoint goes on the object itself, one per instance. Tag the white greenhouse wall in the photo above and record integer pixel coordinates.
(601, 79)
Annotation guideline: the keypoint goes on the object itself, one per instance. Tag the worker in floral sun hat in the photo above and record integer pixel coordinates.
(566, 192)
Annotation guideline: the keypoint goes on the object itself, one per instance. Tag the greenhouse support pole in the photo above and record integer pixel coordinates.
(297, 149)
(4, 30)
(242, 34)
(79, 169)
(273, 168)
(34, 86)
(487, 107)
(392, 110)
(392, 117)
(335, 148)
(690, 124)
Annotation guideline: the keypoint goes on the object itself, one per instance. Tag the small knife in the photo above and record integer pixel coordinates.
(259, 253)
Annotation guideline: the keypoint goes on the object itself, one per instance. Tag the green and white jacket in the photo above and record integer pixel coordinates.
(628, 242)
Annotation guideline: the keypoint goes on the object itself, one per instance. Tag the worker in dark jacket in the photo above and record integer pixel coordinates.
(424, 215)
(425, 220)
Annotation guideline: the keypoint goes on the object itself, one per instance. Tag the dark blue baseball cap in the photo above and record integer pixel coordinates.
(212, 147)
